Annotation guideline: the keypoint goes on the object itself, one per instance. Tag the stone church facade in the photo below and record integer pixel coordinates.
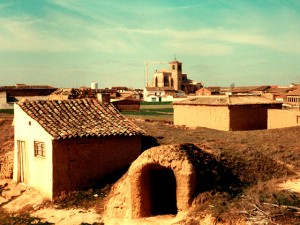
(173, 77)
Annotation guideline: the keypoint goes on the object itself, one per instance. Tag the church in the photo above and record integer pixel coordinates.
(173, 77)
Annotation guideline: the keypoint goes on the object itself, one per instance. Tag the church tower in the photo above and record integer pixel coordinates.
(176, 69)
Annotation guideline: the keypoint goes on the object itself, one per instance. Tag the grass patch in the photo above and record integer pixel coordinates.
(156, 103)
(152, 109)
(7, 111)
(150, 112)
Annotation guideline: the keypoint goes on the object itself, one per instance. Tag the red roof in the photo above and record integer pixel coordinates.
(78, 118)
(294, 92)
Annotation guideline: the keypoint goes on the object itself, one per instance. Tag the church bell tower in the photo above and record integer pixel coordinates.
(176, 69)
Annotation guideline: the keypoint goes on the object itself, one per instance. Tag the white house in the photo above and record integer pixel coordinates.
(159, 94)
(65, 145)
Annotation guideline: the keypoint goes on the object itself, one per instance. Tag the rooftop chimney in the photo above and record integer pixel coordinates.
(103, 98)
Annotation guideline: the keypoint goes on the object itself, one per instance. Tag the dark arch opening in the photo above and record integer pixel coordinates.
(162, 191)
(156, 82)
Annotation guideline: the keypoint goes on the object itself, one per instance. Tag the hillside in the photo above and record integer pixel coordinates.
(261, 160)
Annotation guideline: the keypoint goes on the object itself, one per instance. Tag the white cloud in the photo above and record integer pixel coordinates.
(21, 35)
(60, 32)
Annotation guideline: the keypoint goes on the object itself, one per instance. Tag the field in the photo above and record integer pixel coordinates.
(261, 160)
(153, 111)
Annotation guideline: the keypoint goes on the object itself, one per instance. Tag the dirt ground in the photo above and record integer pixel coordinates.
(266, 162)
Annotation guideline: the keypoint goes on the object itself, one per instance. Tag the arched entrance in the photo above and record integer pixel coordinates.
(162, 190)
(162, 181)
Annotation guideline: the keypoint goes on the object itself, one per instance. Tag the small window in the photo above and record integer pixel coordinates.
(39, 149)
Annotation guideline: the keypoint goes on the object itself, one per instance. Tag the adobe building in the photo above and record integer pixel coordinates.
(12, 94)
(173, 77)
(66, 145)
(208, 91)
(159, 94)
(293, 98)
(165, 180)
(162, 180)
(224, 112)
(280, 118)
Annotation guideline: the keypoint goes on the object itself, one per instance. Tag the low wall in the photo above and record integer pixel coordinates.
(283, 118)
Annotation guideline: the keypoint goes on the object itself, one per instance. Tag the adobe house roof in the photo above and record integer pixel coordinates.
(225, 100)
(28, 90)
(280, 90)
(215, 89)
(72, 93)
(294, 92)
(76, 118)
(24, 86)
(261, 88)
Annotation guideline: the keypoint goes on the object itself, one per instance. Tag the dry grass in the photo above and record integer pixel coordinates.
(260, 159)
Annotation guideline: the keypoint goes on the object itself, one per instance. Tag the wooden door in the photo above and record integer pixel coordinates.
(23, 174)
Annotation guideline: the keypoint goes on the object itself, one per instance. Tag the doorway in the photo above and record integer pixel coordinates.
(23, 162)
(162, 191)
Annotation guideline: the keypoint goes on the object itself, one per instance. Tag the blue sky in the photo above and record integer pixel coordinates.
(69, 43)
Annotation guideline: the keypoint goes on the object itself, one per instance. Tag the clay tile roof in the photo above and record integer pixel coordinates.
(65, 119)
(226, 100)
(294, 92)
(261, 88)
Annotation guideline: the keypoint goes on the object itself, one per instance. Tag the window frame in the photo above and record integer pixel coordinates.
(39, 149)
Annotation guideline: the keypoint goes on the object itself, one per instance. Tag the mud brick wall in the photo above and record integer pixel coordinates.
(6, 165)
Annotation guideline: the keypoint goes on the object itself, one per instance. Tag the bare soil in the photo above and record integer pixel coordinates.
(266, 164)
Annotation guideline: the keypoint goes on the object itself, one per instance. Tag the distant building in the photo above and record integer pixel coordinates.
(12, 94)
(260, 90)
(224, 112)
(127, 104)
(67, 145)
(173, 77)
(120, 89)
(208, 91)
(280, 93)
(159, 94)
(293, 98)
(245, 90)
(73, 93)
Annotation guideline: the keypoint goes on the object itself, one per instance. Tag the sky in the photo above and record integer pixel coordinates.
(71, 43)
